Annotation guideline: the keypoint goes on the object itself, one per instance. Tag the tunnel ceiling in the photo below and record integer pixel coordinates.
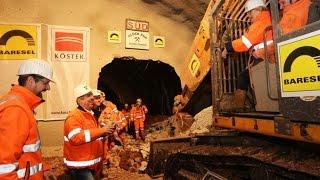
(189, 12)
(126, 79)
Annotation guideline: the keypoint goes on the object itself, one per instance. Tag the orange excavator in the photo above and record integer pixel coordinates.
(278, 136)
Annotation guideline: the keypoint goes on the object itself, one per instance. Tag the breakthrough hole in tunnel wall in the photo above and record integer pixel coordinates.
(126, 79)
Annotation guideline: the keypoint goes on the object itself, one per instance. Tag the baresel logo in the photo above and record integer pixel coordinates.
(310, 51)
(69, 46)
(299, 65)
(17, 44)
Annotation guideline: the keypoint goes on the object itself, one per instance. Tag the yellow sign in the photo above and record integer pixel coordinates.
(159, 41)
(299, 65)
(194, 65)
(114, 36)
(18, 42)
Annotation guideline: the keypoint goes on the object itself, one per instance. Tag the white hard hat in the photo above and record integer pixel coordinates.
(96, 92)
(81, 90)
(36, 66)
(252, 4)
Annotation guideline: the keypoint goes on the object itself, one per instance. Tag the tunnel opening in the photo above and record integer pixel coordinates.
(125, 79)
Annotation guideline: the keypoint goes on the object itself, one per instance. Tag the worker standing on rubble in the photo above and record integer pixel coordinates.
(20, 155)
(295, 15)
(83, 149)
(138, 115)
(261, 19)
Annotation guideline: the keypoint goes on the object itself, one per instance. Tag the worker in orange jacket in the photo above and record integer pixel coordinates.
(252, 38)
(138, 116)
(110, 116)
(83, 148)
(294, 16)
(20, 155)
(126, 112)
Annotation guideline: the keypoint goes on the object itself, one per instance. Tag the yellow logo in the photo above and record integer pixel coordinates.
(194, 65)
(18, 42)
(114, 36)
(300, 65)
(159, 41)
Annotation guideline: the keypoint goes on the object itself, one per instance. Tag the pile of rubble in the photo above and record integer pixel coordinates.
(203, 122)
(132, 156)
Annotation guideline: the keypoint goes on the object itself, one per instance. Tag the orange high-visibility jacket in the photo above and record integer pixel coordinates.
(83, 146)
(20, 142)
(138, 112)
(110, 113)
(121, 121)
(126, 114)
(254, 35)
(294, 17)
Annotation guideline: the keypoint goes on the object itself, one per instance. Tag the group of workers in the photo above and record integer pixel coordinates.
(87, 128)
(92, 127)
(84, 128)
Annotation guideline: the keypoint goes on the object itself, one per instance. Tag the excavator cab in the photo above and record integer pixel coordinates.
(278, 136)
(229, 23)
(286, 88)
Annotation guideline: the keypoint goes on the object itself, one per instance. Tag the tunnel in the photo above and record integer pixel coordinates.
(125, 79)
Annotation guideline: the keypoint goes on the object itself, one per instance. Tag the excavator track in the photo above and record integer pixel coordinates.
(232, 155)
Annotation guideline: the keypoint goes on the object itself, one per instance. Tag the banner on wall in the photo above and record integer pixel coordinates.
(68, 52)
(137, 34)
(18, 42)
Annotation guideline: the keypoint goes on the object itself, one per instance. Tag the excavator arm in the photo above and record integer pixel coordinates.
(197, 63)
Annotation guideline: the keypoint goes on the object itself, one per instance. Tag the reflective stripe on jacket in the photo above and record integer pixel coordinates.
(20, 142)
(254, 34)
(82, 140)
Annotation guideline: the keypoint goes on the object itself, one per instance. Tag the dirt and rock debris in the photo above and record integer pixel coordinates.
(130, 160)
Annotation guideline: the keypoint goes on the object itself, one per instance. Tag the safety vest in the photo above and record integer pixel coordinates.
(255, 34)
(83, 146)
(138, 112)
(20, 155)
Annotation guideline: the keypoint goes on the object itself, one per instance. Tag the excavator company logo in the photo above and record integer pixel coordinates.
(194, 65)
(299, 61)
(69, 46)
(114, 36)
(18, 42)
(159, 41)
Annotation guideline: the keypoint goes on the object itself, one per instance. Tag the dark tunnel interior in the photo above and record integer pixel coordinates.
(126, 79)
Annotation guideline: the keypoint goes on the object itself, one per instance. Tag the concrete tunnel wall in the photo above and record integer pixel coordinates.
(101, 16)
